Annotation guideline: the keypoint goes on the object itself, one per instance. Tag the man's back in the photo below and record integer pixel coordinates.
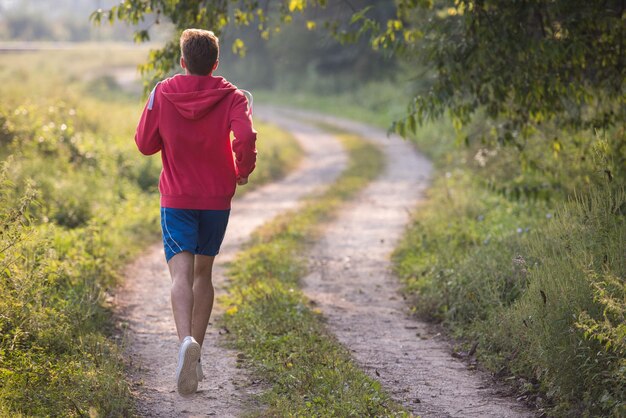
(189, 119)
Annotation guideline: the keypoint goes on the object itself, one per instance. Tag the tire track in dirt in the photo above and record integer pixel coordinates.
(352, 283)
(144, 300)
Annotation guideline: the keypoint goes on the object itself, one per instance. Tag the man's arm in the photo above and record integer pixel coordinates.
(245, 138)
(147, 135)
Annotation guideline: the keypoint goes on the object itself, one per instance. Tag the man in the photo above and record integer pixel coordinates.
(189, 119)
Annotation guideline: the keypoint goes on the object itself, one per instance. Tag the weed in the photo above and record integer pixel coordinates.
(541, 288)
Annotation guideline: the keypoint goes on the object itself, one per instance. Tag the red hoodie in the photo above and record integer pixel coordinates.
(189, 119)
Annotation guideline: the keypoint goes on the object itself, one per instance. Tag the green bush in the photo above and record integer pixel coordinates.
(567, 330)
(54, 356)
(480, 233)
(70, 216)
(541, 290)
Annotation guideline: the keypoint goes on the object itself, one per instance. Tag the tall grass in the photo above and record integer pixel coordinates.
(77, 219)
(567, 329)
(539, 285)
(480, 233)
(75, 204)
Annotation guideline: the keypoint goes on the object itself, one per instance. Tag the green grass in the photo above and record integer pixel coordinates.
(480, 233)
(569, 328)
(541, 289)
(77, 201)
(282, 337)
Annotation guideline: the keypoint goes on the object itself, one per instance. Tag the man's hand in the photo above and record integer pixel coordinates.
(242, 180)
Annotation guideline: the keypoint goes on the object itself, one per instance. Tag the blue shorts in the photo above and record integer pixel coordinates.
(197, 231)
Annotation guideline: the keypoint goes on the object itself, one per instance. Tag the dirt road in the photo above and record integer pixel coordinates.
(351, 280)
(144, 301)
(352, 283)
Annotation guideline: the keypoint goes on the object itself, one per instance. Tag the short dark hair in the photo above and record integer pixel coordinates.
(200, 49)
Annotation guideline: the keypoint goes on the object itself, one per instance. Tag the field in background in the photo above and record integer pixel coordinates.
(77, 201)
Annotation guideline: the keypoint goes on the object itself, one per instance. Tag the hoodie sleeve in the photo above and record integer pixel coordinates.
(245, 136)
(147, 135)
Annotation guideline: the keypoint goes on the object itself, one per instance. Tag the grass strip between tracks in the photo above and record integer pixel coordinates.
(281, 335)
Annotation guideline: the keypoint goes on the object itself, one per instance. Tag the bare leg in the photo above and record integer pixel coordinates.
(181, 269)
(202, 296)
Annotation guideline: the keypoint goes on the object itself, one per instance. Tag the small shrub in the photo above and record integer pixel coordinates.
(570, 318)
(147, 174)
(542, 290)
(480, 233)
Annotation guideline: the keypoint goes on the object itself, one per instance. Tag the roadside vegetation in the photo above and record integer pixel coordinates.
(281, 335)
(77, 201)
(532, 273)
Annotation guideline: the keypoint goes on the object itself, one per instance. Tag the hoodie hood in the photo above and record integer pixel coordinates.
(193, 96)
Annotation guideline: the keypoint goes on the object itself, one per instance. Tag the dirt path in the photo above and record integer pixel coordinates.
(145, 305)
(352, 283)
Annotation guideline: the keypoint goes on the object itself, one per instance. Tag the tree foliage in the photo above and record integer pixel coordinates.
(304, 56)
(210, 14)
(525, 62)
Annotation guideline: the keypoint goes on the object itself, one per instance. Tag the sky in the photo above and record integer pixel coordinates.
(77, 8)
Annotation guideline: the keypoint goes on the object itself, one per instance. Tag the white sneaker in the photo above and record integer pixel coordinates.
(186, 376)
(199, 371)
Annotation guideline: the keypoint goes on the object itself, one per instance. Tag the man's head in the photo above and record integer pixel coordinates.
(199, 51)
